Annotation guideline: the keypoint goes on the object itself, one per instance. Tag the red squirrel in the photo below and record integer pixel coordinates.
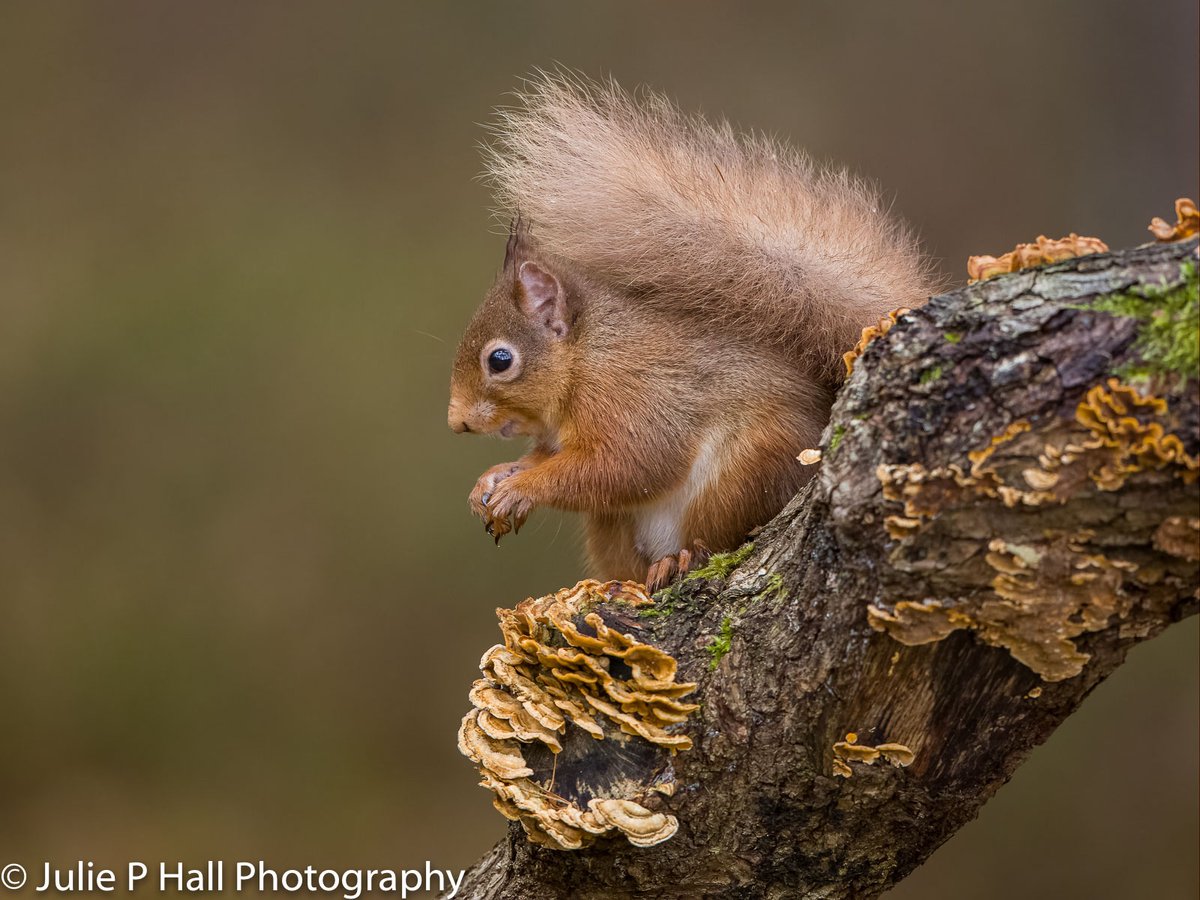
(669, 322)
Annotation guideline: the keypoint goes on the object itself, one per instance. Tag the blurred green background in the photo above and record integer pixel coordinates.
(243, 599)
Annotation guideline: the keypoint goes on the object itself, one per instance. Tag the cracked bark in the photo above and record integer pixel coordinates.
(1066, 583)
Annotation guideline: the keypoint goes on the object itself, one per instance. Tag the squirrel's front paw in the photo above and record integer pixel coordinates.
(481, 494)
(506, 509)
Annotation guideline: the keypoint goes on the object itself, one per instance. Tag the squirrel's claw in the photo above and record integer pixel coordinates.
(506, 511)
(496, 527)
(484, 502)
(664, 571)
(661, 573)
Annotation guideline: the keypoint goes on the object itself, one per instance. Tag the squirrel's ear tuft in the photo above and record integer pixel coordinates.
(542, 298)
(518, 231)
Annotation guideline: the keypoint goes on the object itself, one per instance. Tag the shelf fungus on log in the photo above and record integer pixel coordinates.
(869, 334)
(1025, 256)
(1187, 223)
(849, 750)
(985, 541)
(809, 457)
(571, 671)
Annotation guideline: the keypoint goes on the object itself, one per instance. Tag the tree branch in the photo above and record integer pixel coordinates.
(994, 524)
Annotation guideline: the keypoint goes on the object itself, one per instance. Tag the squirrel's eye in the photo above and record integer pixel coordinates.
(500, 359)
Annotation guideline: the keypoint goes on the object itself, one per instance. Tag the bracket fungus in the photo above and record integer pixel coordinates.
(571, 672)
(849, 750)
(1039, 253)
(1187, 223)
(1179, 536)
(869, 334)
(809, 457)
(1009, 574)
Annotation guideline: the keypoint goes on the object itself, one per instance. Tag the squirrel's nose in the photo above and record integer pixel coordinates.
(455, 418)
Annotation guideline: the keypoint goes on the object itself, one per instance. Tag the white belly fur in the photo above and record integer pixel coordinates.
(660, 524)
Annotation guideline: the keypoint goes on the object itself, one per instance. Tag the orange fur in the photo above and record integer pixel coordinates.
(677, 299)
(739, 231)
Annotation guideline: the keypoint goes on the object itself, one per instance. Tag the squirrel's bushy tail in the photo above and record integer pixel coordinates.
(739, 230)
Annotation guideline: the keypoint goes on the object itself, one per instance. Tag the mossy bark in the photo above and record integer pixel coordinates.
(1005, 579)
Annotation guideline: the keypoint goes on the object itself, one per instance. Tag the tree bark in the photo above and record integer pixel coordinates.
(972, 558)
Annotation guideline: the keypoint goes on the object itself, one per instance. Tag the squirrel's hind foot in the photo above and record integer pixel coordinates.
(667, 569)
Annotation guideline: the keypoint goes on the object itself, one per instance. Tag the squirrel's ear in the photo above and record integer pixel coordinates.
(542, 298)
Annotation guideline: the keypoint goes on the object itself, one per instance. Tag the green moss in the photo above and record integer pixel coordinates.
(721, 564)
(953, 336)
(773, 588)
(931, 374)
(719, 645)
(1168, 340)
(665, 603)
(839, 432)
